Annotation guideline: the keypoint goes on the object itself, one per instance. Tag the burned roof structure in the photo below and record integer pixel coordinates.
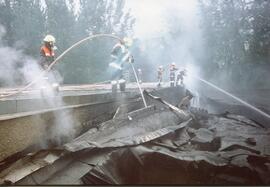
(160, 144)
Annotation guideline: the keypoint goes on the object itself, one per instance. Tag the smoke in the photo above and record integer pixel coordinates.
(171, 31)
(168, 32)
(17, 69)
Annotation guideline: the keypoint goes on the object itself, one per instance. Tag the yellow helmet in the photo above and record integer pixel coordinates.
(49, 38)
(128, 41)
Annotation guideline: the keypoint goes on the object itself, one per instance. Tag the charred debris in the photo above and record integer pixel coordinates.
(160, 144)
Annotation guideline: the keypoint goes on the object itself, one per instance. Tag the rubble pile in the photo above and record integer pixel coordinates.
(160, 144)
(224, 150)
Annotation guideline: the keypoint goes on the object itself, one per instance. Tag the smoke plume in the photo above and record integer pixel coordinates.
(18, 69)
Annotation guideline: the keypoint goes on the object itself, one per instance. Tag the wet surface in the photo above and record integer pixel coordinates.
(216, 153)
(155, 145)
(73, 90)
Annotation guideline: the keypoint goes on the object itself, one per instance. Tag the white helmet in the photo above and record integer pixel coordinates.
(160, 67)
(128, 41)
(49, 38)
(173, 63)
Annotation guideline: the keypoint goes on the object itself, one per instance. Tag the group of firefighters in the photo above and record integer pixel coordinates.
(121, 57)
(175, 79)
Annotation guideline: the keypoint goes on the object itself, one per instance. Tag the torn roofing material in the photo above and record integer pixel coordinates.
(162, 166)
(165, 161)
(134, 128)
(209, 150)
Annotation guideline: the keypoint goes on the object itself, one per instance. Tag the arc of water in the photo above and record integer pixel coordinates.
(232, 96)
(38, 78)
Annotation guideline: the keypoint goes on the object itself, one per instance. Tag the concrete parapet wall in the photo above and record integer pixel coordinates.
(35, 129)
(21, 130)
(12, 106)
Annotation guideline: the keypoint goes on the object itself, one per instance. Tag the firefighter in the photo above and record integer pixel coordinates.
(47, 51)
(47, 57)
(160, 75)
(120, 55)
(173, 70)
(180, 76)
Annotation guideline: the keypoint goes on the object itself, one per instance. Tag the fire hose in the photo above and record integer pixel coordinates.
(20, 90)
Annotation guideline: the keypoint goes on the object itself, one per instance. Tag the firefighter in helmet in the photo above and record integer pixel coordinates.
(173, 70)
(160, 75)
(120, 58)
(180, 77)
(47, 55)
(47, 51)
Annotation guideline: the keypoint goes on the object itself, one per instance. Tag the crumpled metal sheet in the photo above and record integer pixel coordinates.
(244, 120)
(227, 149)
(127, 107)
(203, 135)
(28, 165)
(235, 133)
(134, 128)
(187, 157)
(161, 103)
(161, 166)
(140, 131)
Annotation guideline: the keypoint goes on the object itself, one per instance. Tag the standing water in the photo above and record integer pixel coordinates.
(232, 96)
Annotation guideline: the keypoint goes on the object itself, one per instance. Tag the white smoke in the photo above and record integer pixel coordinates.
(18, 69)
(169, 31)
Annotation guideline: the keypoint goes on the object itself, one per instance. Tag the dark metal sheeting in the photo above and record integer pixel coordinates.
(141, 165)
(217, 150)
(135, 128)
(128, 129)
(159, 144)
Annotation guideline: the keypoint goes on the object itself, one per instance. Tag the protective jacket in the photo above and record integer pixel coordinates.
(47, 56)
(47, 52)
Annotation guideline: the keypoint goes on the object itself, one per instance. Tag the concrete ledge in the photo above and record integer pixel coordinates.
(22, 130)
(33, 104)
(43, 128)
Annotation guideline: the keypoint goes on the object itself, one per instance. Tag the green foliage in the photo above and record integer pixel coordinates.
(237, 33)
(230, 25)
(27, 22)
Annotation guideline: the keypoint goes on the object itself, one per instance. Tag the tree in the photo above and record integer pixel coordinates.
(6, 19)
(28, 26)
(60, 21)
(97, 16)
(27, 22)
(236, 33)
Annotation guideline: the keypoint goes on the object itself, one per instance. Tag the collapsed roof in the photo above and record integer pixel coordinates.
(160, 144)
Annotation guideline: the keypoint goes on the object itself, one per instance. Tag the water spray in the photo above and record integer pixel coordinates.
(232, 96)
(20, 90)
